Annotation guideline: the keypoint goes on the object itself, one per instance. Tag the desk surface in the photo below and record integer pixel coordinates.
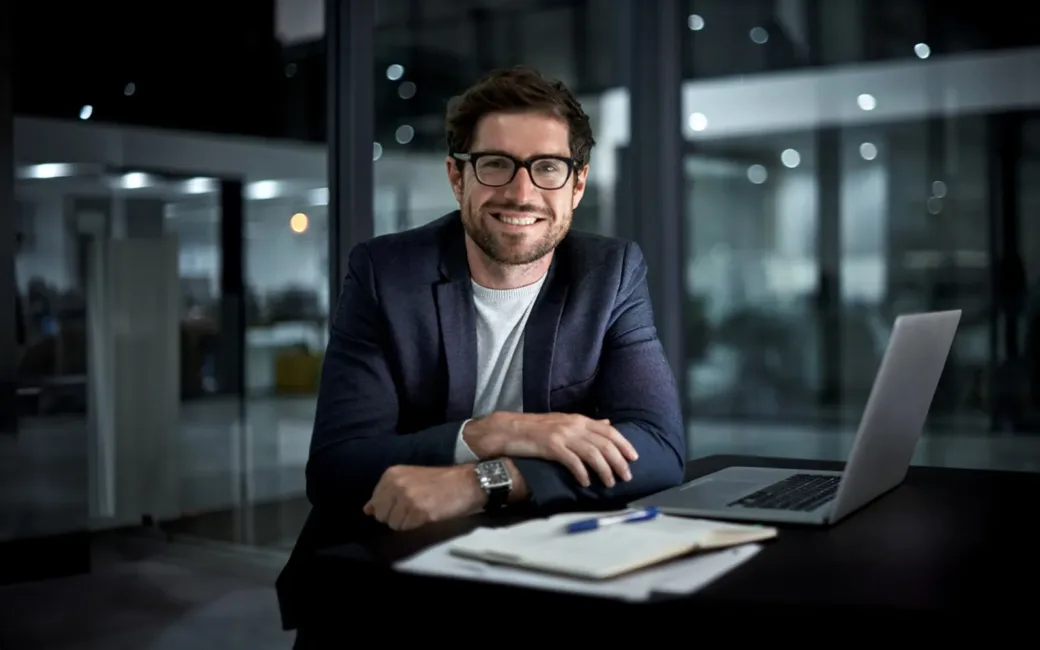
(946, 540)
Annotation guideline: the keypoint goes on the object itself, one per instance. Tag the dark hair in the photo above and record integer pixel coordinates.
(518, 89)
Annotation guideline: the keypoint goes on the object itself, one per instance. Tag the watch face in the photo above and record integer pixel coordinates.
(493, 474)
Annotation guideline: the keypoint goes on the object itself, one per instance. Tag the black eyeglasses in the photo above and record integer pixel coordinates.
(499, 169)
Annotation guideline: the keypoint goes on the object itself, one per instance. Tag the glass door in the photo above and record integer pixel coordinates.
(118, 278)
(1021, 281)
(52, 373)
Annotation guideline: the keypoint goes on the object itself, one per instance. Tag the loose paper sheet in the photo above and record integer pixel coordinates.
(683, 576)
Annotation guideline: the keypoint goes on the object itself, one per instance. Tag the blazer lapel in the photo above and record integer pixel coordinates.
(540, 338)
(458, 324)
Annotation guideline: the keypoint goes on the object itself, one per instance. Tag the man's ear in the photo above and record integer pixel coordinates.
(454, 177)
(580, 177)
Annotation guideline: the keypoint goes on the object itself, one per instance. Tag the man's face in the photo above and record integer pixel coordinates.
(518, 223)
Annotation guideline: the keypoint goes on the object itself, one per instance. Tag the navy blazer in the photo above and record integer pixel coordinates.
(399, 376)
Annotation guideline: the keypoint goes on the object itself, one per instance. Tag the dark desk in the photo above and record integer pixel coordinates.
(947, 541)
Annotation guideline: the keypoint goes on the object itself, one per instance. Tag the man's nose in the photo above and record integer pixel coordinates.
(521, 188)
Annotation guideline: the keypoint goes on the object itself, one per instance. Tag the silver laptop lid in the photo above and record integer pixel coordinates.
(897, 408)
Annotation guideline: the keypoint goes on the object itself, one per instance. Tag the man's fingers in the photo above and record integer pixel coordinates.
(612, 434)
(397, 515)
(571, 461)
(368, 509)
(381, 501)
(381, 509)
(599, 427)
(416, 517)
(592, 456)
(613, 455)
(623, 445)
(380, 506)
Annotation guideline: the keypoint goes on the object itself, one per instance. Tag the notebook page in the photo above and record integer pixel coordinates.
(681, 576)
(543, 545)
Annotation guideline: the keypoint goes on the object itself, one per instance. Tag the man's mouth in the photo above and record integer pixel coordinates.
(515, 219)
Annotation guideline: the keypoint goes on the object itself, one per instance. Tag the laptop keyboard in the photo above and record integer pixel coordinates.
(801, 492)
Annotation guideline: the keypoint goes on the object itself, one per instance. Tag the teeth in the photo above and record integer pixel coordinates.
(517, 221)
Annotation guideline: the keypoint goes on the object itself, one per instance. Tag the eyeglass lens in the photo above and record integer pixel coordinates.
(546, 173)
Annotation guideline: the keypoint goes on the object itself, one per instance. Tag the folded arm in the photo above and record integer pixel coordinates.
(355, 435)
(636, 390)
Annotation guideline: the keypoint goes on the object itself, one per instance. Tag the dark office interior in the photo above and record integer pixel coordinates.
(180, 184)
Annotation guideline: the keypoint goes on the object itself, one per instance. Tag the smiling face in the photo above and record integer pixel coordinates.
(518, 224)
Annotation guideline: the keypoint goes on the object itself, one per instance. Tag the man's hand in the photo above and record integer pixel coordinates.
(408, 497)
(575, 441)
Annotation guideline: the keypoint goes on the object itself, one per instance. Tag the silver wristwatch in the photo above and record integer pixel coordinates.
(494, 478)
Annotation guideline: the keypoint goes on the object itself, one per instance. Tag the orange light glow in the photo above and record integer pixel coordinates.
(298, 222)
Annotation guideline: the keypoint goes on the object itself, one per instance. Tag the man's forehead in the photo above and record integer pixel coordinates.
(522, 134)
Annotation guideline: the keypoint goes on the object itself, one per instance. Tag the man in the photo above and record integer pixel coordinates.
(493, 357)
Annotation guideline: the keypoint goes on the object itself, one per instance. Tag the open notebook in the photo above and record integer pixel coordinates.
(543, 544)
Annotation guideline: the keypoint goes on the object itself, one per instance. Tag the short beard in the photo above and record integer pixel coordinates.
(506, 255)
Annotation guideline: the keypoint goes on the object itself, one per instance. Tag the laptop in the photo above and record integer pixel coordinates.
(881, 452)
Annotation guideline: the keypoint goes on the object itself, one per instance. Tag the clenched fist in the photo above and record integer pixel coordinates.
(407, 497)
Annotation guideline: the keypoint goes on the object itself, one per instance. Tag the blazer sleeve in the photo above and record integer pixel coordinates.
(355, 436)
(636, 390)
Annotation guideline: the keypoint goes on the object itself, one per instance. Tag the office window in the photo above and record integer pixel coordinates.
(735, 37)
(428, 53)
(206, 136)
(879, 181)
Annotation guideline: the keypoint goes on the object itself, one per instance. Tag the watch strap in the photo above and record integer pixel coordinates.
(498, 497)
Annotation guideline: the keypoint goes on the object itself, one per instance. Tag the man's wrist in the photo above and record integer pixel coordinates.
(468, 477)
(476, 434)
(518, 491)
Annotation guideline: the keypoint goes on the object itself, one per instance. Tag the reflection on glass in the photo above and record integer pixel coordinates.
(51, 368)
(287, 280)
(864, 192)
(761, 36)
(100, 300)
(111, 161)
(751, 276)
(424, 59)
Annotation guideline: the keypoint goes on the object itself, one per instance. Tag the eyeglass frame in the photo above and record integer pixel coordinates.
(474, 157)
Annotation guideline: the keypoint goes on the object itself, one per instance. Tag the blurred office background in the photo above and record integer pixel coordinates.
(799, 172)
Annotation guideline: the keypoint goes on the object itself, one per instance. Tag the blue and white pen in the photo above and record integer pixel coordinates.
(630, 517)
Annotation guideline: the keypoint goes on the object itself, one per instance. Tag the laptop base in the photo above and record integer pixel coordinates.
(709, 497)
